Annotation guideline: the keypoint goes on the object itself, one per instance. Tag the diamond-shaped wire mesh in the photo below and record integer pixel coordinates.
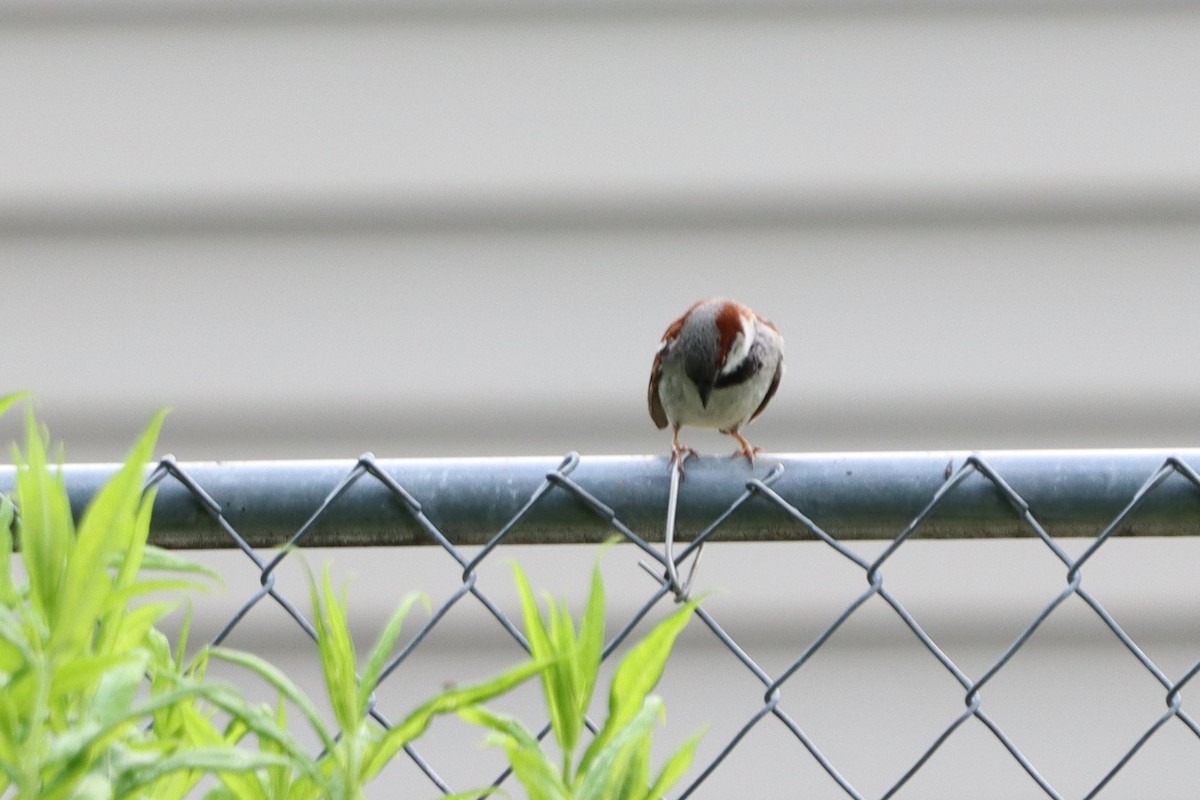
(776, 696)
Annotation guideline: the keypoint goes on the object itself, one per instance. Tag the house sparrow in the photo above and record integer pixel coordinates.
(718, 367)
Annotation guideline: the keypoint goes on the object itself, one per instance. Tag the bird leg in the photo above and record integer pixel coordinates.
(680, 452)
(747, 450)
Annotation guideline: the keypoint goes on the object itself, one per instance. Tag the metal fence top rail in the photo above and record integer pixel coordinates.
(850, 495)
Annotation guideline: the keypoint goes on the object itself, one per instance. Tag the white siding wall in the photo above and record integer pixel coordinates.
(966, 217)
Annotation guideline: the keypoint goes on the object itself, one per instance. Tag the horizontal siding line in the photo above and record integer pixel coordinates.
(551, 211)
(757, 623)
(251, 12)
(241, 427)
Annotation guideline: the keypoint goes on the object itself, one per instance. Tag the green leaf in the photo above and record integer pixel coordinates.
(535, 771)
(675, 767)
(260, 721)
(636, 675)
(470, 794)
(7, 401)
(200, 733)
(156, 558)
(636, 776)
(381, 751)
(113, 514)
(535, 631)
(117, 688)
(92, 787)
(280, 779)
(128, 630)
(123, 597)
(70, 747)
(591, 639)
(131, 543)
(336, 649)
(15, 649)
(537, 774)
(556, 681)
(208, 759)
(115, 524)
(510, 727)
(185, 629)
(46, 530)
(82, 674)
(383, 648)
(606, 775)
(566, 717)
(281, 683)
(8, 592)
(91, 734)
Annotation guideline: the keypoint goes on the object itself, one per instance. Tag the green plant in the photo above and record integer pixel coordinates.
(96, 705)
(615, 765)
(82, 668)
(357, 749)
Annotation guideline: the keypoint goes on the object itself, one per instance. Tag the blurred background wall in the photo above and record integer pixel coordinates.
(446, 228)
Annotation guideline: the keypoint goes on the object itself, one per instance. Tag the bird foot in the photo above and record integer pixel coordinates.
(746, 450)
(681, 453)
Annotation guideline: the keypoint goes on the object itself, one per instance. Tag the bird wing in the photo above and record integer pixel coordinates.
(657, 412)
(770, 390)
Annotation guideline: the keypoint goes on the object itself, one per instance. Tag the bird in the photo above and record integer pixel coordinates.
(717, 367)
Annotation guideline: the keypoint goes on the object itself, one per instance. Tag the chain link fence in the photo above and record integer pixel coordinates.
(473, 509)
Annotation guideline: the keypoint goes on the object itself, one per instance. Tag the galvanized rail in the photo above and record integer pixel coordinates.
(1072, 493)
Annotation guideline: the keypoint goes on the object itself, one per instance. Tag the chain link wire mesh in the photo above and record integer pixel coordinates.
(791, 522)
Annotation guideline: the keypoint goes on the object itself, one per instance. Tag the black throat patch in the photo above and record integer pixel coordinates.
(750, 366)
